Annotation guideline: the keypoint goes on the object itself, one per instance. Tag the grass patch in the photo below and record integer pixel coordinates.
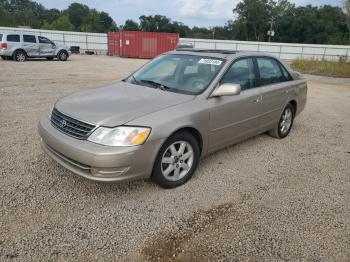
(322, 67)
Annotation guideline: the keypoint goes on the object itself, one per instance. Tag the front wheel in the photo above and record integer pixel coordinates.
(176, 161)
(285, 123)
(62, 56)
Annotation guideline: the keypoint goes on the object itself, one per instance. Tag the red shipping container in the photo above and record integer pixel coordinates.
(141, 44)
(113, 43)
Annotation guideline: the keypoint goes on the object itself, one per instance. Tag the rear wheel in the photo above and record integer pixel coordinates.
(285, 123)
(20, 56)
(62, 56)
(176, 161)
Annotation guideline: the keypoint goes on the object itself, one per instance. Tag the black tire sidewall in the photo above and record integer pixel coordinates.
(280, 134)
(19, 52)
(59, 56)
(157, 174)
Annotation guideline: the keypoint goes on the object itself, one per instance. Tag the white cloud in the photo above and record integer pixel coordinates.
(207, 9)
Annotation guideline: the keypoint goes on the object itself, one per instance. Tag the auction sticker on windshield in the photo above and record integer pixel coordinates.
(210, 61)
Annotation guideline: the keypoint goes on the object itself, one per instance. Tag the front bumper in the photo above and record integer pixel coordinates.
(98, 162)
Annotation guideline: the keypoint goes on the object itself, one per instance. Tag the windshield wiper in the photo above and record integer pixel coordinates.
(134, 79)
(155, 84)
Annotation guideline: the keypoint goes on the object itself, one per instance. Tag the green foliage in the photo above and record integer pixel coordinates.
(252, 19)
(62, 23)
(76, 17)
(130, 25)
(292, 24)
(339, 68)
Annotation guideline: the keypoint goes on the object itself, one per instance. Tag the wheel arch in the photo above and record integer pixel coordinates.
(20, 49)
(61, 50)
(293, 102)
(194, 132)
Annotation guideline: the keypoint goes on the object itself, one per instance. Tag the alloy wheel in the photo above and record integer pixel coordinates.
(63, 56)
(286, 122)
(177, 160)
(20, 57)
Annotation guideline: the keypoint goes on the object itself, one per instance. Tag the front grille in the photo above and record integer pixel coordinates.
(70, 126)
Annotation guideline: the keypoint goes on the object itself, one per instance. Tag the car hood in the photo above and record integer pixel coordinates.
(117, 104)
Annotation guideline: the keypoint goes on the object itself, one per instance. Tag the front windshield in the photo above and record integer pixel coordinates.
(185, 74)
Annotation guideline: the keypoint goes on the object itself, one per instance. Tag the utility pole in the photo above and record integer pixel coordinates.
(271, 33)
(213, 33)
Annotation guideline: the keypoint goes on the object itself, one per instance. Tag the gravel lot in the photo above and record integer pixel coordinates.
(261, 200)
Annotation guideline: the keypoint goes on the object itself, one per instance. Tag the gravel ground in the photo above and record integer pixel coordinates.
(260, 200)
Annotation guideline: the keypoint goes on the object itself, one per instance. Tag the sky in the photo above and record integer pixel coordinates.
(191, 12)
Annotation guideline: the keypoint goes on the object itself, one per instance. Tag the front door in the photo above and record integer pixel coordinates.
(46, 47)
(233, 118)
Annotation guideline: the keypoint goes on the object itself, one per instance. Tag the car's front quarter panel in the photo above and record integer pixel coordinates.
(164, 123)
(62, 48)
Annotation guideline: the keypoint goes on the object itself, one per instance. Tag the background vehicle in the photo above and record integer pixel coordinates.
(178, 107)
(20, 46)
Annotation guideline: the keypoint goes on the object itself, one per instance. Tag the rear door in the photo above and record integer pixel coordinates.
(30, 45)
(233, 118)
(274, 85)
(46, 46)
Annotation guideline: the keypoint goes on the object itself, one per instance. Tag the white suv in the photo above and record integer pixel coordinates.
(20, 46)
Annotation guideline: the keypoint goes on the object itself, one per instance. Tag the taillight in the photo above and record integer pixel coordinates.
(4, 45)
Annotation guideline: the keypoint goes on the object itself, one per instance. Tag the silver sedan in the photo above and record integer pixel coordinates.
(182, 105)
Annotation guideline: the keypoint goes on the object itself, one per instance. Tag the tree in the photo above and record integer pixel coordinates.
(78, 14)
(5, 17)
(252, 19)
(157, 23)
(62, 23)
(296, 24)
(347, 17)
(131, 25)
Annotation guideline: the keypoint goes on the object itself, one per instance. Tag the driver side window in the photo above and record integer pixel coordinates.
(44, 40)
(242, 73)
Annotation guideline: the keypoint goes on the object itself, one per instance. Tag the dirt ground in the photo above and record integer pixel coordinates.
(261, 200)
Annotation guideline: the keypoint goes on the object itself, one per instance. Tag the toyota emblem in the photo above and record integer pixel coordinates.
(63, 123)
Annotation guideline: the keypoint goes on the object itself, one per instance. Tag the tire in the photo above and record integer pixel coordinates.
(285, 123)
(62, 56)
(49, 58)
(3, 57)
(169, 169)
(20, 56)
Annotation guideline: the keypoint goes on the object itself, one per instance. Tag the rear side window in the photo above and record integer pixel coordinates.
(12, 38)
(242, 73)
(29, 39)
(285, 73)
(270, 71)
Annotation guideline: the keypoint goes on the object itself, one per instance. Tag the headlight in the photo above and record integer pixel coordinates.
(120, 136)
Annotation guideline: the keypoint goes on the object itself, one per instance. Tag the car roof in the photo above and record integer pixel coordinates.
(18, 33)
(203, 52)
(217, 53)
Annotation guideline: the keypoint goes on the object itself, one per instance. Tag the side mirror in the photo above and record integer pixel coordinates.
(227, 90)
